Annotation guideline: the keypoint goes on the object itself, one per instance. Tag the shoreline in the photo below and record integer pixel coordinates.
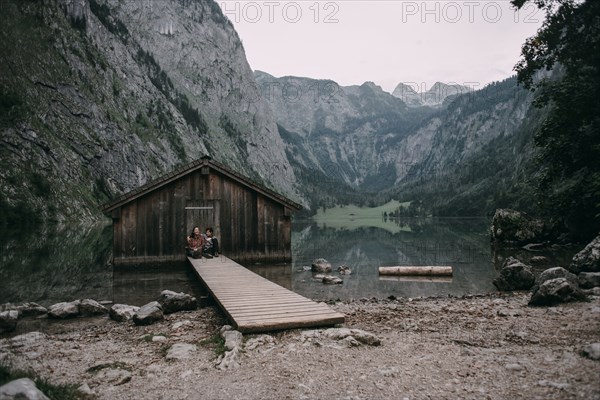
(490, 346)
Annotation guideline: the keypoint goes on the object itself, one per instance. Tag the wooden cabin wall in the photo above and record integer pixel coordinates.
(250, 227)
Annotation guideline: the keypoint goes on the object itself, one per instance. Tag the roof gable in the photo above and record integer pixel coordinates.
(192, 167)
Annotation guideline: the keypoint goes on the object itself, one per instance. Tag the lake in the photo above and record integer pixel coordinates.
(52, 266)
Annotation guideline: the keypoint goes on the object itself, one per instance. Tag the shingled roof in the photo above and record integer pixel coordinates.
(189, 168)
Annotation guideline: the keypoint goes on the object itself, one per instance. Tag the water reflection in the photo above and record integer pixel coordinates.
(460, 243)
(48, 265)
(140, 285)
(53, 266)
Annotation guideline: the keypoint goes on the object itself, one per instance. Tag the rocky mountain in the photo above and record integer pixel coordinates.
(101, 96)
(374, 142)
(340, 134)
(439, 94)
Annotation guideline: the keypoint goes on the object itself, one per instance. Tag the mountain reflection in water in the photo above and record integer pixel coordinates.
(460, 243)
(53, 266)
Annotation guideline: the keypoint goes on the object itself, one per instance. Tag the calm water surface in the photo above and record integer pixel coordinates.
(53, 266)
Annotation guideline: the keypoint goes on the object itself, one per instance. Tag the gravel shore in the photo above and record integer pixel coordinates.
(476, 347)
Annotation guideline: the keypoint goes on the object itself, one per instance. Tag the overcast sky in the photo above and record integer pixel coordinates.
(353, 41)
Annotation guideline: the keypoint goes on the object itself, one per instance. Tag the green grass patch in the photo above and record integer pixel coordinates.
(53, 391)
(352, 217)
(216, 343)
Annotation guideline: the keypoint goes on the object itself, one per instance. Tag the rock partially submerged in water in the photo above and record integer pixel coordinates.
(588, 259)
(171, 301)
(89, 308)
(25, 309)
(515, 227)
(85, 307)
(514, 275)
(332, 280)
(8, 320)
(344, 270)
(321, 265)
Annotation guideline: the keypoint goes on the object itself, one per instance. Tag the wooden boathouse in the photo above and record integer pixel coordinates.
(252, 222)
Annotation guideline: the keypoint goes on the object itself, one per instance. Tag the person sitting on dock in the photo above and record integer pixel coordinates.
(211, 244)
(195, 243)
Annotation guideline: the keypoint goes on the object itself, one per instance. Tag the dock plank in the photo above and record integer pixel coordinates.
(254, 304)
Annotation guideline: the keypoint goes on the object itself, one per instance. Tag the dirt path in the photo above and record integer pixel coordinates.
(490, 347)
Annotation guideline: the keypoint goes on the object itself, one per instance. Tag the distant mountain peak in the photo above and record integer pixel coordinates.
(434, 97)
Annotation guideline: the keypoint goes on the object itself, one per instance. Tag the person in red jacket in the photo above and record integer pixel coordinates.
(195, 243)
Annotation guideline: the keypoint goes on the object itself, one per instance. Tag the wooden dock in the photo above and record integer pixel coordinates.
(255, 304)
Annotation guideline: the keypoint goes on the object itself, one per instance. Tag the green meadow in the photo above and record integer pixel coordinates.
(353, 217)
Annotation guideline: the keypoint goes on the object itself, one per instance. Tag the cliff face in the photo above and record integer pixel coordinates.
(98, 97)
(344, 132)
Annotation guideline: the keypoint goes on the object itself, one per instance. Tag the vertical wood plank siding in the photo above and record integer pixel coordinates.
(250, 226)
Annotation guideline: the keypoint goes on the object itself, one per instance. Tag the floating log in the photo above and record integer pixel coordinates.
(416, 278)
(416, 270)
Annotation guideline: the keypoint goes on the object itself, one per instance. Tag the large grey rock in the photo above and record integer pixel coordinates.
(514, 275)
(552, 273)
(588, 280)
(89, 307)
(21, 389)
(64, 310)
(172, 301)
(148, 314)
(8, 320)
(233, 339)
(554, 291)
(588, 259)
(25, 309)
(591, 351)
(321, 265)
(510, 226)
(122, 312)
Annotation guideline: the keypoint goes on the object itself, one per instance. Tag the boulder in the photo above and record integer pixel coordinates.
(554, 291)
(588, 280)
(30, 310)
(89, 308)
(233, 339)
(514, 275)
(588, 259)
(514, 227)
(21, 389)
(148, 314)
(64, 310)
(8, 320)
(591, 351)
(344, 270)
(172, 302)
(332, 280)
(552, 273)
(321, 265)
(122, 312)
